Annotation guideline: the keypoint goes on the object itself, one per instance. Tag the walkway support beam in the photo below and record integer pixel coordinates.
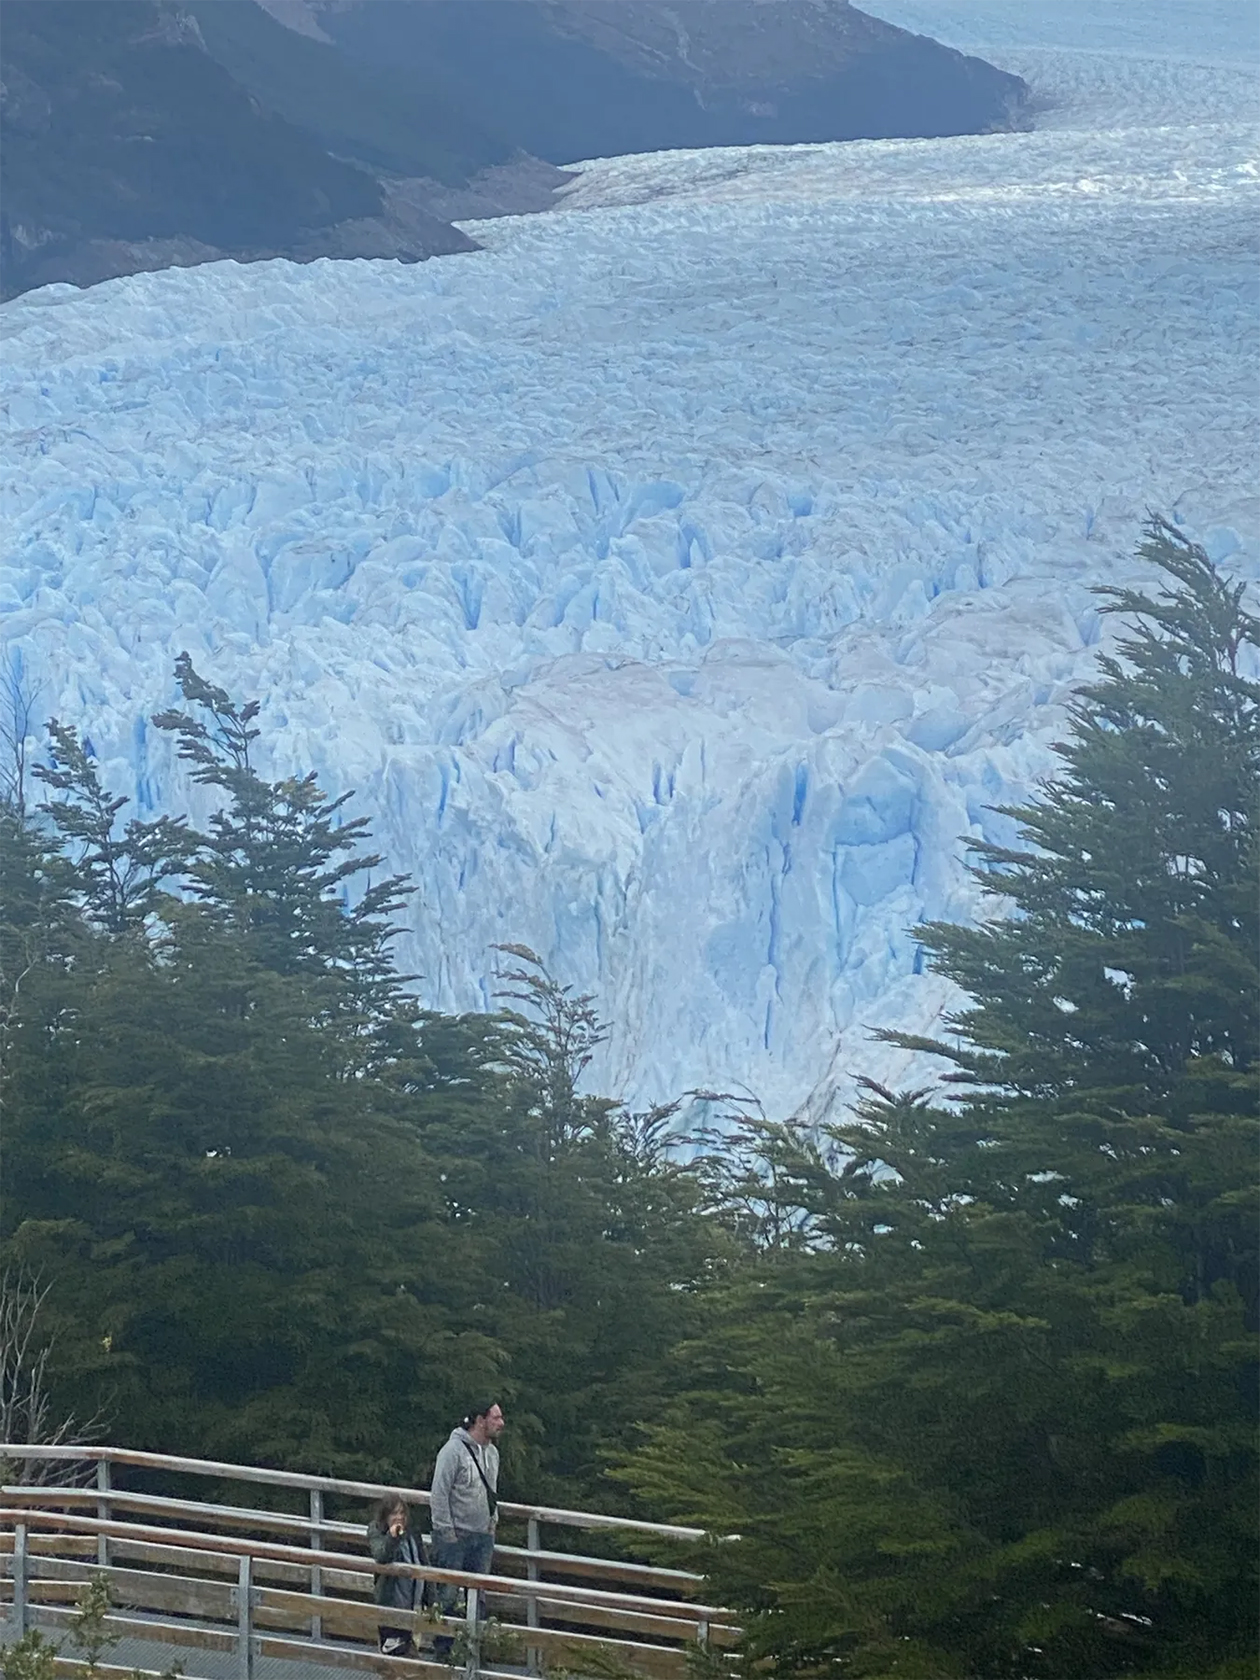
(19, 1580)
(245, 1619)
(317, 1542)
(103, 1510)
(472, 1624)
(533, 1545)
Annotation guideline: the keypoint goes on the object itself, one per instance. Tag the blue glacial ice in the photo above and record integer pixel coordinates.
(679, 578)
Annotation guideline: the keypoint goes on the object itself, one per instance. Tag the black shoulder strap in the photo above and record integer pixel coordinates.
(490, 1494)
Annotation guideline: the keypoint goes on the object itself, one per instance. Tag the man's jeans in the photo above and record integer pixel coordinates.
(469, 1552)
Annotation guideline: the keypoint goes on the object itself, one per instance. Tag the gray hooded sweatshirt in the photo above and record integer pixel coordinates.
(458, 1500)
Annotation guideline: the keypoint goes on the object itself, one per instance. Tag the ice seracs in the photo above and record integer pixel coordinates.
(678, 578)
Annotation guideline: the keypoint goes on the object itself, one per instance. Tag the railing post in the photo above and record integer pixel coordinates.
(245, 1620)
(472, 1667)
(533, 1543)
(103, 1511)
(19, 1580)
(317, 1574)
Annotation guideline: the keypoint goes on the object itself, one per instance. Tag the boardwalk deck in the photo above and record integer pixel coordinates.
(233, 1591)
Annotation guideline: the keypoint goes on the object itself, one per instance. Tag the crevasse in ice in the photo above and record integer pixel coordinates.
(680, 578)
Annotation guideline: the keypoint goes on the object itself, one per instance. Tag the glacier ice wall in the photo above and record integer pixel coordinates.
(678, 578)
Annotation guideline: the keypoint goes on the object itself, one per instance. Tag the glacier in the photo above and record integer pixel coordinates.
(682, 578)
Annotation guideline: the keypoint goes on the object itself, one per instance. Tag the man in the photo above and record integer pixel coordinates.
(464, 1503)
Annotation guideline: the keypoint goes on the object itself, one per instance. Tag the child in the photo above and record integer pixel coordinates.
(391, 1540)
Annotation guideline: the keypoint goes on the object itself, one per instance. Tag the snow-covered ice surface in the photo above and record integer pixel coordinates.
(680, 577)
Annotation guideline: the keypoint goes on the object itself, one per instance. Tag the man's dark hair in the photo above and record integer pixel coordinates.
(386, 1508)
(474, 1413)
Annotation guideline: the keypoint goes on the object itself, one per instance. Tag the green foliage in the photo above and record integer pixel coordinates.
(118, 875)
(499, 1644)
(32, 1657)
(577, 1232)
(88, 1632)
(39, 937)
(1138, 912)
(982, 1401)
(276, 867)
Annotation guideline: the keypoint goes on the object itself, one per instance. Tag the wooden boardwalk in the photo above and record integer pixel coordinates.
(240, 1591)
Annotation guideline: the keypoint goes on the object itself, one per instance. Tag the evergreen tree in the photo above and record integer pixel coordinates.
(986, 1404)
(1124, 997)
(39, 937)
(119, 875)
(278, 861)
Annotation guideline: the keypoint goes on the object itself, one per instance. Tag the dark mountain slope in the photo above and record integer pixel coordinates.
(119, 123)
(127, 146)
(378, 115)
(568, 79)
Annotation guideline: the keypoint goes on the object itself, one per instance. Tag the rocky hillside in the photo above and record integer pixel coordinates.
(127, 146)
(570, 79)
(147, 133)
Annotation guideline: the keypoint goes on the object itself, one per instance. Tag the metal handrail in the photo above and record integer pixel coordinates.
(272, 1551)
(156, 1506)
(332, 1484)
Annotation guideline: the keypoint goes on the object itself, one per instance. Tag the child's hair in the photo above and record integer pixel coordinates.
(386, 1508)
